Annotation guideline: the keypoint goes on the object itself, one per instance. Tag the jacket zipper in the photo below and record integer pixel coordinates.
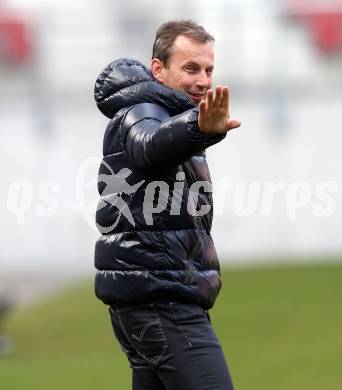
(193, 255)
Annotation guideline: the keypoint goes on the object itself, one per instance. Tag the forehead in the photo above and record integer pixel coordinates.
(185, 49)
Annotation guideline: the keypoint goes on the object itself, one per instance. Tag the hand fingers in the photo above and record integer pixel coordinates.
(218, 97)
(209, 99)
(202, 108)
(225, 98)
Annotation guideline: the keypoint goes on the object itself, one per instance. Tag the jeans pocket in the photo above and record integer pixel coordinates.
(125, 345)
(142, 327)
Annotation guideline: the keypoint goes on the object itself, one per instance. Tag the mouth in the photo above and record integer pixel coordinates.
(196, 96)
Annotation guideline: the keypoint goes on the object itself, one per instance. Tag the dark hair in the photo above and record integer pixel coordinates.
(169, 31)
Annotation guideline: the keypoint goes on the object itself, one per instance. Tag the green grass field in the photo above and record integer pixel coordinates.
(280, 327)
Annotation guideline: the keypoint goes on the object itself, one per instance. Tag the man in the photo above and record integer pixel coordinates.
(157, 265)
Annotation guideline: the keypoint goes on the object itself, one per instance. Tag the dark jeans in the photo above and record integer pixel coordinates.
(171, 346)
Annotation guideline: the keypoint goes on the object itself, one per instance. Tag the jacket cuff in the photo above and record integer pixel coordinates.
(188, 137)
(197, 136)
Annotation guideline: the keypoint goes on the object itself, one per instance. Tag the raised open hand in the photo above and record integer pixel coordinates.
(213, 115)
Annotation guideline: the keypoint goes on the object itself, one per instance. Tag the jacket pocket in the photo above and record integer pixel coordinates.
(190, 270)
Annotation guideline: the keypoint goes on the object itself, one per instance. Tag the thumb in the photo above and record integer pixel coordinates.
(233, 124)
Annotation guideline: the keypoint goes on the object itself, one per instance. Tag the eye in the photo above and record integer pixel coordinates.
(189, 68)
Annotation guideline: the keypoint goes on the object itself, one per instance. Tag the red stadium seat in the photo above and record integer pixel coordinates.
(15, 40)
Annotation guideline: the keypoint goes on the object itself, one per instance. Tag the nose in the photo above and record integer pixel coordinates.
(203, 81)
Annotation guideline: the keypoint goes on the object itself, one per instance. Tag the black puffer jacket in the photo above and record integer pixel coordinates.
(144, 255)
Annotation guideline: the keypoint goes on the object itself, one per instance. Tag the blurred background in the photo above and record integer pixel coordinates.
(277, 179)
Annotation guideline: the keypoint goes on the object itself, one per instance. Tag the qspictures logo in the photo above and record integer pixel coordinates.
(156, 196)
(241, 198)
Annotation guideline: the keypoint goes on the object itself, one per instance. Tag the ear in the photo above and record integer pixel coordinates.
(157, 67)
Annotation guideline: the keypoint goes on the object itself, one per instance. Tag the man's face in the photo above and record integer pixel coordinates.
(189, 67)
